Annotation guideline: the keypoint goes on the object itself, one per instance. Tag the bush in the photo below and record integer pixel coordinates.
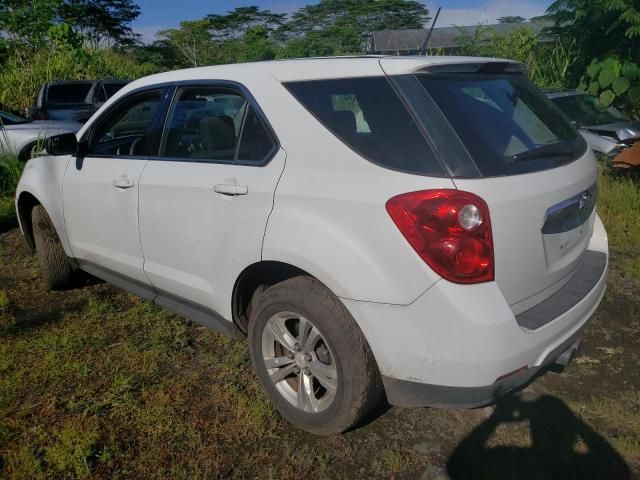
(22, 75)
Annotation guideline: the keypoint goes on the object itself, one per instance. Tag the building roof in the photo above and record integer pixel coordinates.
(411, 40)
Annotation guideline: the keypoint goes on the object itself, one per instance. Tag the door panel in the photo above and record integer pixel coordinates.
(196, 240)
(101, 217)
(101, 190)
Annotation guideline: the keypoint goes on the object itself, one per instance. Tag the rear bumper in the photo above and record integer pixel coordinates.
(404, 393)
(455, 343)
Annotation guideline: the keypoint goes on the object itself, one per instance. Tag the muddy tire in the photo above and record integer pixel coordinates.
(311, 358)
(57, 269)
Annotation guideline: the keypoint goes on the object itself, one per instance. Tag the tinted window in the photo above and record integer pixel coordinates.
(111, 88)
(125, 130)
(586, 111)
(507, 125)
(367, 115)
(256, 143)
(68, 93)
(214, 124)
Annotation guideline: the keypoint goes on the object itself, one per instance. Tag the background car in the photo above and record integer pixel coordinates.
(72, 100)
(19, 136)
(608, 131)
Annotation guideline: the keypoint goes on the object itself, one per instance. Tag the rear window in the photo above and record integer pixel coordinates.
(368, 116)
(68, 93)
(507, 125)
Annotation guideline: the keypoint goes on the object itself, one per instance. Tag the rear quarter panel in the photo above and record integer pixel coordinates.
(329, 216)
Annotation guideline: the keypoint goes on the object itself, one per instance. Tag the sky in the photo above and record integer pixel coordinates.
(159, 14)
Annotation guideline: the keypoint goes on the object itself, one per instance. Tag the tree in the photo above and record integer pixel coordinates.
(512, 19)
(27, 23)
(244, 34)
(192, 41)
(101, 21)
(600, 27)
(334, 27)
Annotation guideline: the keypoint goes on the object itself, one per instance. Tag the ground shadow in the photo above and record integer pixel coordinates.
(562, 446)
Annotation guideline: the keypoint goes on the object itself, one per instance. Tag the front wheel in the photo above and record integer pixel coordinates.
(311, 357)
(57, 269)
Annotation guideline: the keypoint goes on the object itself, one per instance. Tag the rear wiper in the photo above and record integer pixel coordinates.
(554, 150)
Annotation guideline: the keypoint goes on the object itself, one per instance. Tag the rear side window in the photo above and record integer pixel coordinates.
(507, 125)
(368, 116)
(213, 124)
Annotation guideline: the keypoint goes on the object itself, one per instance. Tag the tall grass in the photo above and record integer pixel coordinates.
(21, 76)
(619, 208)
(10, 171)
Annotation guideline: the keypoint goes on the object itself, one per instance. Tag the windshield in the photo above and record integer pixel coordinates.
(68, 93)
(9, 119)
(585, 111)
(507, 125)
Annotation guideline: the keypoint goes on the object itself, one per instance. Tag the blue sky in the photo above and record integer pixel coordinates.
(158, 14)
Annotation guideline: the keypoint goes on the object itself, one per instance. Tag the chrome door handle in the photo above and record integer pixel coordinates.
(123, 183)
(231, 190)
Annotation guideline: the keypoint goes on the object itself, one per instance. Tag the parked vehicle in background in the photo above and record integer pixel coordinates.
(607, 130)
(72, 100)
(18, 136)
(417, 227)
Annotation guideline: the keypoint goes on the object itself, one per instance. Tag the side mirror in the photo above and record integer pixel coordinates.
(65, 144)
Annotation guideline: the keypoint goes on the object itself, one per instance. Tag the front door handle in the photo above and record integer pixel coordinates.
(231, 190)
(123, 183)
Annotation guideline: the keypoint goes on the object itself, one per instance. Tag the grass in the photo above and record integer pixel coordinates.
(619, 208)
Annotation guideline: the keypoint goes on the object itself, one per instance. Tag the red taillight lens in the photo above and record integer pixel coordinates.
(450, 230)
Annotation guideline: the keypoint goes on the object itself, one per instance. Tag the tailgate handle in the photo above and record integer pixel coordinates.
(231, 190)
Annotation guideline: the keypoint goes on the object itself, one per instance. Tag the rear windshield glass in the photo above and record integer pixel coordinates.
(507, 125)
(68, 93)
(585, 110)
(368, 116)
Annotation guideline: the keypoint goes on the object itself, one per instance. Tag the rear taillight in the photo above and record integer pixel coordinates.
(450, 230)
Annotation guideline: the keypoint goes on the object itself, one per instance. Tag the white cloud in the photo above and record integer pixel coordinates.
(489, 13)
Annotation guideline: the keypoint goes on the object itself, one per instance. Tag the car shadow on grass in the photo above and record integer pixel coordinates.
(561, 446)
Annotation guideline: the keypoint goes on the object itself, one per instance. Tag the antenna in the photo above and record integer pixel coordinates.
(423, 50)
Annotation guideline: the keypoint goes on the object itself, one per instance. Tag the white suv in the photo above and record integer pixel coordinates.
(416, 228)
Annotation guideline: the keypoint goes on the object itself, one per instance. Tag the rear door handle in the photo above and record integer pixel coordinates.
(123, 183)
(231, 190)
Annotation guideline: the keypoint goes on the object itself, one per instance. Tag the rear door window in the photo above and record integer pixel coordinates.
(215, 124)
(368, 116)
(507, 125)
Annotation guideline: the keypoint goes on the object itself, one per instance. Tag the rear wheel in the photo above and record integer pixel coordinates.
(57, 269)
(311, 358)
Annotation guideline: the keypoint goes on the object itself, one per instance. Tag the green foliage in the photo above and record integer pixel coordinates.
(614, 82)
(547, 65)
(602, 29)
(27, 24)
(21, 77)
(338, 27)
(512, 19)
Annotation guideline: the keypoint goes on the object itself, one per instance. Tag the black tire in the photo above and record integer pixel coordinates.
(57, 269)
(359, 386)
